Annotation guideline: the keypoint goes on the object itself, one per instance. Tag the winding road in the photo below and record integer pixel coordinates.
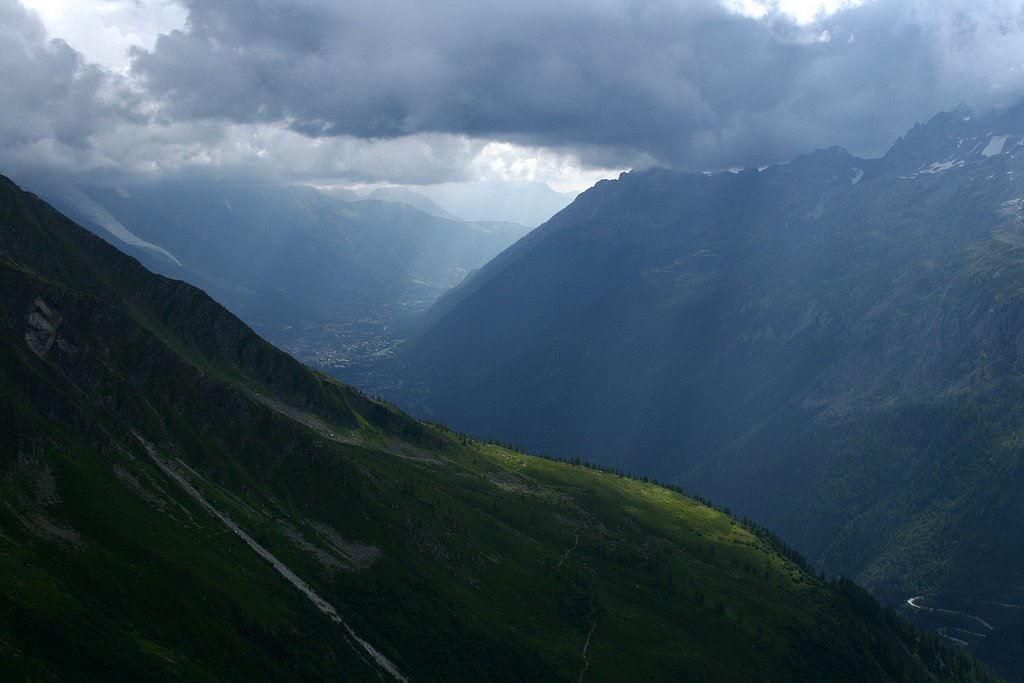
(944, 631)
(913, 602)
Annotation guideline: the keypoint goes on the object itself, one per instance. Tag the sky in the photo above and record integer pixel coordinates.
(366, 92)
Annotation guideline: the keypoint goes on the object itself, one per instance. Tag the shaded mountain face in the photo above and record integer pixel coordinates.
(306, 269)
(832, 346)
(184, 502)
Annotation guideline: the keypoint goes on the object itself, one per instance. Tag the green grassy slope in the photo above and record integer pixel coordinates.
(124, 396)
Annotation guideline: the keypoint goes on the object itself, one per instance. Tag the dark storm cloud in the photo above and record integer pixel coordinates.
(51, 102)
(687, 83)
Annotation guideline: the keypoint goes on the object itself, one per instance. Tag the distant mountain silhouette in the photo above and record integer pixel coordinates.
(403, 195)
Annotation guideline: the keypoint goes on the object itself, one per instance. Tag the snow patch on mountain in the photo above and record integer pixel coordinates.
(995, 146)
(939, 167)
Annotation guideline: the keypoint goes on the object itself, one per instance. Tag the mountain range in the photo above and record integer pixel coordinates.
(182, 501)
(831, 346)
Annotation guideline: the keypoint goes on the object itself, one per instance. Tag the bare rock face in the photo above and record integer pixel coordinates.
(41, 327)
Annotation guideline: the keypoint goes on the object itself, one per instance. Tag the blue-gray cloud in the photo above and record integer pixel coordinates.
(407, 91)
(687, 83)
(52, 103)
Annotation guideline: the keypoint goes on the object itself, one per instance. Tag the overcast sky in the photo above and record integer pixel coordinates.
(407, 91)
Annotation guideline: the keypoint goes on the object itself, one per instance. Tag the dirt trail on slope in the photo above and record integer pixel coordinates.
(586, 646)
(567, 552)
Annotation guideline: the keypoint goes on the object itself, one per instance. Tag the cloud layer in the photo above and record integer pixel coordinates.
(407, 91)
(51, 102)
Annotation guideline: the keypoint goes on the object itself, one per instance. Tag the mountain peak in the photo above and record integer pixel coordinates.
(826, 155)
(956, 138)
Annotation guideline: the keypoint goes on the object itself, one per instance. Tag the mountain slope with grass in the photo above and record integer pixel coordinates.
(832, 346)
(183, 501)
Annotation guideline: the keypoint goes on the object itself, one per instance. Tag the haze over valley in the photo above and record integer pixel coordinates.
(324, 278)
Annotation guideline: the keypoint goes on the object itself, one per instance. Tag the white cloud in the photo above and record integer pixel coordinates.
(803, 12)
(104, 30)
(563, 171)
